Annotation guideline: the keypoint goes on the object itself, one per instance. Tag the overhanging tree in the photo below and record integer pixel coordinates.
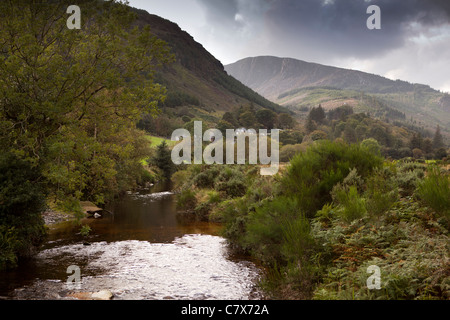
(69, 99)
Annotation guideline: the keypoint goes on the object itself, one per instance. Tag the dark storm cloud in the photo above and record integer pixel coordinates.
(324, 27)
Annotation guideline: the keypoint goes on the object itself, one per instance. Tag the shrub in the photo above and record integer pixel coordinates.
(232, 182)
(381, 194)
(313, 174)
(352, 205)
(372, 145)
(434, 190)
(186, 200)
(270, 226)
(234, 214)
(179, 178)
(206, 178)
(22, 200)
(289, 151)
(214, 197)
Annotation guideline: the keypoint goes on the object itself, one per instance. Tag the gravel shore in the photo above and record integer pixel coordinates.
(53, 217)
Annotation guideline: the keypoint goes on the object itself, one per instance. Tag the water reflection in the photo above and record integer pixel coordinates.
(143, 250)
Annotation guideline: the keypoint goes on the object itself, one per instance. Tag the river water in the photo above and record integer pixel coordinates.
(144, 250)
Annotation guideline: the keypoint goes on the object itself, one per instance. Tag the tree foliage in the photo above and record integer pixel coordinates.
(22, 200)
(69, 99)
(163, 160)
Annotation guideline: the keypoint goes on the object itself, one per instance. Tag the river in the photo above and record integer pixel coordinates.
(143, 250)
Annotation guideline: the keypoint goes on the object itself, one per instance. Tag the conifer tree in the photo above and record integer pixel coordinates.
(438, 141)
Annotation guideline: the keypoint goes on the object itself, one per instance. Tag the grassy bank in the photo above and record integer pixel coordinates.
(332, 213)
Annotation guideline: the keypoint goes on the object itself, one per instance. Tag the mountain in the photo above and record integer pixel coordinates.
(196, 79)
(300, 85)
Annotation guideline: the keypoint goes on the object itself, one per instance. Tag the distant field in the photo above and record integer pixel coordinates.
(156, 141)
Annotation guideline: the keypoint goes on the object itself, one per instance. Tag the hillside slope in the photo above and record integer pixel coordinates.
(298, 84)
(196, 78)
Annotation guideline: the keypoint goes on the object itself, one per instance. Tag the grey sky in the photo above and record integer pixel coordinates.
(413, 44)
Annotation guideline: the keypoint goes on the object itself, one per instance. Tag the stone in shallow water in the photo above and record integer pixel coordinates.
(101, 295)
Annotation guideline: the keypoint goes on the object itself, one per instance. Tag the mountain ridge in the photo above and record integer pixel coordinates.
(320, 75)
(196, 75)
(298, 84)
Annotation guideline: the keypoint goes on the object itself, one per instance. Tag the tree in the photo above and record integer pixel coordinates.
(317, 114)
(312, 174)
(417, 153)
(416, 141)
(223, 126)
(267, 118)
(349, 134)
(438, 141)
(229, 118)
(441, 153)
(340, 113)
(247, 120)
(427, 146)
(310, 125)
(163, 160)
(70, 99)
(285, 121)
(372, 145)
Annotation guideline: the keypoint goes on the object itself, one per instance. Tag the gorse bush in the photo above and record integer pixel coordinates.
(336, 210)
(313, 174)
(206, 178)
(232, 182)
(434, 190)
(272, 233)
(186, 200)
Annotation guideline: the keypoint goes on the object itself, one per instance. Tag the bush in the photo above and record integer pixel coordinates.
(381, 194)
(372, 145)
(206, 178)
(270, 226)
(289, 151)
(179, 178)
(352, 205)
(186, 200)
(434, 190)
(232, 182)
(22, 201)
(313, 174)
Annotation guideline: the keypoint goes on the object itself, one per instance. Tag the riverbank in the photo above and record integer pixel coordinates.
(52, 217)
(336, 211)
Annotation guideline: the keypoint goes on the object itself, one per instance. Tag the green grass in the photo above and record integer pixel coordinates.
(156, 141)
